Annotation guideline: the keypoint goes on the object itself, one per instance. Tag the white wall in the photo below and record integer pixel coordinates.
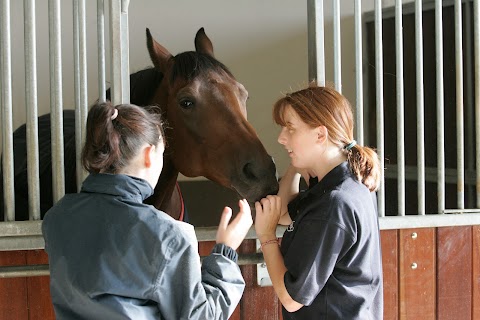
(264, 43)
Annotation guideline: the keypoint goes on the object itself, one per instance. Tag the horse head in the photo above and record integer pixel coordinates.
(207, 129)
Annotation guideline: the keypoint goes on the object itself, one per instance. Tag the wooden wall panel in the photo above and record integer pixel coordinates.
(476, 272)
(417, 273)
(13, 291)
(454, 272)
(259, 303)
(40, 305)
(389, 240)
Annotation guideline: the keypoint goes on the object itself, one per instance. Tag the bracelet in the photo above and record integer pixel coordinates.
(269, 242)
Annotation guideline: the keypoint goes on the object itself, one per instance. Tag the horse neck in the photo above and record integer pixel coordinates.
(166, 196)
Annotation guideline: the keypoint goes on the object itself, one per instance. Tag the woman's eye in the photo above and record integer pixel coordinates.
(186, 104)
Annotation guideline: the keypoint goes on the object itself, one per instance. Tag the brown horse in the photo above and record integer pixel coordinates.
(207, 131)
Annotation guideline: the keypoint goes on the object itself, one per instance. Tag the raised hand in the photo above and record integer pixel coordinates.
(232, 234)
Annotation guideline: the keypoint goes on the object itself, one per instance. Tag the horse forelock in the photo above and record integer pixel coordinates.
(190, 64)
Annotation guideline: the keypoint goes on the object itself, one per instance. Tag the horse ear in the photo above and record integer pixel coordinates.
(203, 43)
(158, 54)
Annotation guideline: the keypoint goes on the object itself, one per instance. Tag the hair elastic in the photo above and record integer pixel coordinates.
(349, 146)
(115, 114)
(269, 242)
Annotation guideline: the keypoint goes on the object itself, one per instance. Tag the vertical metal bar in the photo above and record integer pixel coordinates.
(379, 103)
(459, 104)
(420, 107)
(337, 46)
(76, 82)
(81, 107)
(58, 176)
(359, 72)
(101, 50)
(476, 41)
(316, 42)
(6, 100)
(400, 108)
(31, 103)
(120, 89)
(440, 106)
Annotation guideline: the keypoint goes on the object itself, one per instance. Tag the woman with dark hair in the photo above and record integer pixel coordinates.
(329, 264)
(112, 256)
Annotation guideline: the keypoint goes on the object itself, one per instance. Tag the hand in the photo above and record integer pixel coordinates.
(268, 212)
(233, 234)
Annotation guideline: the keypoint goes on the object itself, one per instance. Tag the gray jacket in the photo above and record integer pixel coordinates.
(113, 257)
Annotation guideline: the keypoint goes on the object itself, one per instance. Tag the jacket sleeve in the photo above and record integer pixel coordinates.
(187, 289)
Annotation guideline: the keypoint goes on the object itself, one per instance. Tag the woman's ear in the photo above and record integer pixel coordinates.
(148, 155)
(322, 134)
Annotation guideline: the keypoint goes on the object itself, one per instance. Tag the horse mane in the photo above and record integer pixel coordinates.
(143, 85)
(190, 64)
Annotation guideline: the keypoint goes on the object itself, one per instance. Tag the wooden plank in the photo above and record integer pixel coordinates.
(38, 289)
(389, 239)
(417, 273)
(259, 303)
(476, 272)
(13, 291)
(454, 272)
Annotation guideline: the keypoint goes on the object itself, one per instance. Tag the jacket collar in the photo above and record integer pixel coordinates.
(331, 180)
(118, 185)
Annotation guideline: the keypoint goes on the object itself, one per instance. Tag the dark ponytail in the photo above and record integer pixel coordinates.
(365, 165)
(115, 134)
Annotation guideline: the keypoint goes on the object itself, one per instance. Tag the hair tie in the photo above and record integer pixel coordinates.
(349, 146)
(115, 114)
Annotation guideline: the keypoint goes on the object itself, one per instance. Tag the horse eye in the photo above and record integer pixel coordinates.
(186, 104)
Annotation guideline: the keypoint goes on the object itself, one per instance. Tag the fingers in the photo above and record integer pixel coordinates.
(225, 219)
(244, 207)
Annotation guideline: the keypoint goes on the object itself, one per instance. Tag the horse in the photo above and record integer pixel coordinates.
(207, 132)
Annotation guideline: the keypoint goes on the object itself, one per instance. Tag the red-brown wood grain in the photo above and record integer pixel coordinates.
(417, 273)
(13, 291)
(476, 272)
(454, 273)
(389, 240)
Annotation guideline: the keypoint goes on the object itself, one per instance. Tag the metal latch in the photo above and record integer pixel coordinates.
(263, 278)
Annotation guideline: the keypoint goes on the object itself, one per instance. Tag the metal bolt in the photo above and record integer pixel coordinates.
(414, 266)
(414, 235)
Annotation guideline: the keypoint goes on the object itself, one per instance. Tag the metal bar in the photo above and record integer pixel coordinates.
(359, 73)
(6, 110)
(440, 105)
(24, 271)
(411, 173)
(337, 47)
(459, 104)
(386, 223)
(40, 270)
(316, 42)
(420, 107)
(379, 103)
(476, 35)
(31, 103)
(76, 81)
(120, 79)
(81, 109)
(400, 107)
(56, 100)
(101, 50)
(429, 221)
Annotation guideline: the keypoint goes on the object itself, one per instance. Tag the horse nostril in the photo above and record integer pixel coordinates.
(248, 171)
